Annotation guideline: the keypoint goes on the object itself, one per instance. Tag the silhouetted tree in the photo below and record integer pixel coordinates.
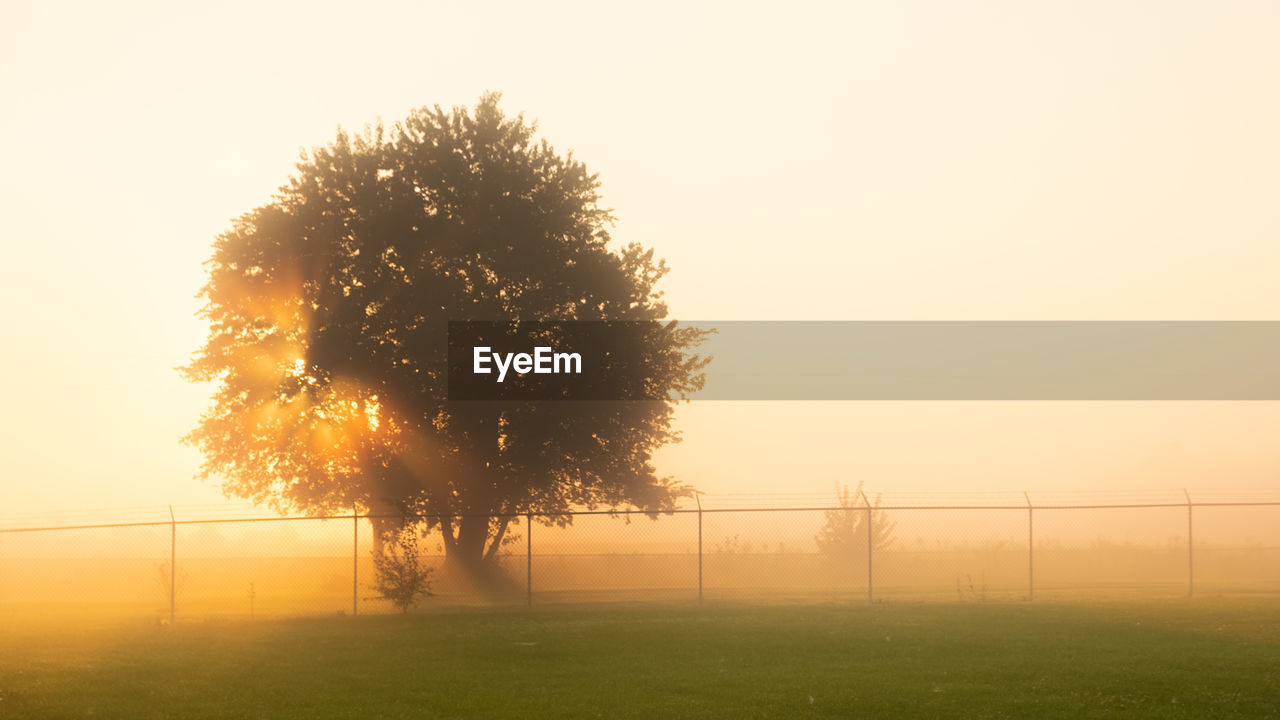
(328, 311)
(844, 533)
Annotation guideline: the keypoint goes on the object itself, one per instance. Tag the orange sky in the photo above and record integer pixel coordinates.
(1060, 160)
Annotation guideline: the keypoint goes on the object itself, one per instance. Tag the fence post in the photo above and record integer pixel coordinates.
(1191, 556)
(528, 559)
(173, 566)
(1031, 549)
(698, 496)
(870, 596)
(355, 560)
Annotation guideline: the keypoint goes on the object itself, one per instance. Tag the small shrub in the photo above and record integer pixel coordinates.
(400, 575)
(169, 587)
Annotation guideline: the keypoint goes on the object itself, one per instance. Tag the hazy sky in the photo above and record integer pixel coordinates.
(1015, 160)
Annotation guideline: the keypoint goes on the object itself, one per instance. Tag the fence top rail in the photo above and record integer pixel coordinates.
(621, 512)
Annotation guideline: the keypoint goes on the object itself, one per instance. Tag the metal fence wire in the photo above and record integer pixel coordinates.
(862, 551)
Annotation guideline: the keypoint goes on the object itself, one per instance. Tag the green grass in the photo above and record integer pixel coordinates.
(1213, 658)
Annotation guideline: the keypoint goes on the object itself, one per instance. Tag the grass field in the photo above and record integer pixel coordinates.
(1206, 658)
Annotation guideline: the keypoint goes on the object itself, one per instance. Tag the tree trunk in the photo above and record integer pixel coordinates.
(468, 563)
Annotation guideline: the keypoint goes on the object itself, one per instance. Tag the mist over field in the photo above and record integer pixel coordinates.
(239, 570)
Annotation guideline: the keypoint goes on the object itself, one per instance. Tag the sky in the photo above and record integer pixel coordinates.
(886, 161)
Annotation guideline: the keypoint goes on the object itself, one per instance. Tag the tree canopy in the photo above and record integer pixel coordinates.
(328, 310)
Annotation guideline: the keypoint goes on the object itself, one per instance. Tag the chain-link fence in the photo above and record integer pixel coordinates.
(862, 550)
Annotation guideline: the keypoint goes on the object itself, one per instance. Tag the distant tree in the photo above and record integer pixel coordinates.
(397, 560)
(844, 531)
(328, 309)
(734, 545)
(169, 585)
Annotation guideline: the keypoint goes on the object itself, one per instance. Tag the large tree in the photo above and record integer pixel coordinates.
(328, 308)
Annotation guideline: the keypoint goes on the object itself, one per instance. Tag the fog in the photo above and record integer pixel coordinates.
(245, 570)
